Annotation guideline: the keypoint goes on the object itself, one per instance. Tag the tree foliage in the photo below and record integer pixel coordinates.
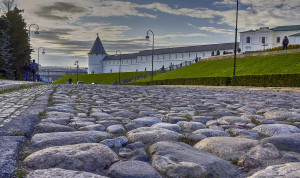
(14, 46)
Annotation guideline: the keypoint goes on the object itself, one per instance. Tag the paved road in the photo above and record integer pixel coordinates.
(154, 131)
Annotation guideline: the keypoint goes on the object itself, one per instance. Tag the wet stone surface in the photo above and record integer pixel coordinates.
(132, 131)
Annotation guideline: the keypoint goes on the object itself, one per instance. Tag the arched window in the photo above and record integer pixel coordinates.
(248, 39)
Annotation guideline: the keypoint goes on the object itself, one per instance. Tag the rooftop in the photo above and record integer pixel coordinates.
(97, 47)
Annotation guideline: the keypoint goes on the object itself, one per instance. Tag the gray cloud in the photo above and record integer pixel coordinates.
(52, 12)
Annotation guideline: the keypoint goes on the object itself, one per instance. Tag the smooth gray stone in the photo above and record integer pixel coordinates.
(150, 135)
(134, 151)
(276, 129)
(125, 114)
(116, 129)
(132, 169)
(243, 133)
(56, 114)
(61, 108)
(285, 142)
(100, 115)
(52, 127)
(190, 126)
(211, 133)
(43, 140)
(147, 121)
(281, 170)
(57, 120)
(81, 157)
(95, 127)
(176, 159)
(173, 127)
(202, 119)
(57, 172)
(231, 120)
(9, 148)
(174, 120)
(115, 142)
(228, 148)
(107, 123)
(132, 126)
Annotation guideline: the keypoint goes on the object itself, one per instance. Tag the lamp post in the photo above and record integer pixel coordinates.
(76, 63)
(147, 37)
(236, 22)
(120, 65)
(39, 54)
(36, 30)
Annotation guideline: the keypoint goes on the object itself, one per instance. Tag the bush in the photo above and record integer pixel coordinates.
(275, 80)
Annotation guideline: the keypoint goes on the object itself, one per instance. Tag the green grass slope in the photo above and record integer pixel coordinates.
(107, 78)
(279, 64)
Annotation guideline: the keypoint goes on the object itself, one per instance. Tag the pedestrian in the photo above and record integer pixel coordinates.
(212, 53)
(34, 69)
(218, 53)
(70, 80)
(26, 69)
(38, 77)
(50, 80)
(163, 68)
(285, 43)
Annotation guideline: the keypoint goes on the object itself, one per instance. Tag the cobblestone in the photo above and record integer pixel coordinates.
(176, 127)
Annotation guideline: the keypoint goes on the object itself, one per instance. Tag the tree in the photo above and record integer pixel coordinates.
(6, 56)
(18, 41)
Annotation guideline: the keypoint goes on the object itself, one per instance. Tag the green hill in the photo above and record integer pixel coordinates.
(107, 78)
(279, 64)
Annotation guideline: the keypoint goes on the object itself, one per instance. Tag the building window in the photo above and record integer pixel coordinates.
(169, 56)
(278, 40)
(176, 56)
(182, 55)
(203, 54)
(263, 40)
(248, 39)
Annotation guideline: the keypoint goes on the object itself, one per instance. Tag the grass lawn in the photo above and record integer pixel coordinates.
(279, 64)
(107, 78)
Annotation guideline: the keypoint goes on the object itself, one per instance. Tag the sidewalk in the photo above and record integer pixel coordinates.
(245, 88)
(9, 84)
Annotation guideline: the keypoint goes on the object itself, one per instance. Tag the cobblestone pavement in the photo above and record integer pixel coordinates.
(13, 103)
(131, 131)
(9, 84)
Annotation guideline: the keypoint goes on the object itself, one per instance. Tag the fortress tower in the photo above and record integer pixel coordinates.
(96, 56)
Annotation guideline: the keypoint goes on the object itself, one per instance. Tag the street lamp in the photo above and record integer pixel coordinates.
(36, 30)
(76, 63)
(120, 65)
(39, 54)
(236, 22)
(147, 37)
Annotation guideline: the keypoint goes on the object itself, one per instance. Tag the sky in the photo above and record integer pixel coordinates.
(68, 28)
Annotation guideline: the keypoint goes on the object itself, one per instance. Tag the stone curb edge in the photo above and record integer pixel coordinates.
(10, 142)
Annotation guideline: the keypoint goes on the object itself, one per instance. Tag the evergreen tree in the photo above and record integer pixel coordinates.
(6, 56)
(18, 41)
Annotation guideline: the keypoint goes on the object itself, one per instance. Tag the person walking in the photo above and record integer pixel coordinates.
(70, 80)
(34, 69)
(285, 43)
(26, 69)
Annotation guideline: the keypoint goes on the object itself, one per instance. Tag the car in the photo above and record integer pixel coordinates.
(80, 82)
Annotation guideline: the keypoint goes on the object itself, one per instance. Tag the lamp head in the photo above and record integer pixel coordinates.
(147, 37)
(37, 32)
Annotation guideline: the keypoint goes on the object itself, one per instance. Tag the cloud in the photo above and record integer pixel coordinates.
(59, 11)
(213, 29)
(225, 3)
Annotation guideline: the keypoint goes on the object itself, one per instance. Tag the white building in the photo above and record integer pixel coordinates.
(264, 38)
(100, 62)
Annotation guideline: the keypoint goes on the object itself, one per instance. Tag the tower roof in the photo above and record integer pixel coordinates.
(97, 47)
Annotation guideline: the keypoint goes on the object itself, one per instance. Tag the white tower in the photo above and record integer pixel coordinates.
(96, 56)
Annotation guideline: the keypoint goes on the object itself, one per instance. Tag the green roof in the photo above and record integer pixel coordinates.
(286, 28)
(297, 34)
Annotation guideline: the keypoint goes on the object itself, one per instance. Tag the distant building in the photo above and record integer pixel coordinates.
(56, 72)
(264, 38)
(100, 62)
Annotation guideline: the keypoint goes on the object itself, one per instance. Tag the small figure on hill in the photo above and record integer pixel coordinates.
(196, 60)
(163, 68)
(34, 69)
(70, 80)
(50, 80)
(26, 69)
(239, 50)
(180, 65)
(285, 43)
(218, 53)
(171, 66)
(212, 53)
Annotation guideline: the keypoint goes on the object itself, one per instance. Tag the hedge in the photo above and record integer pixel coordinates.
(275, 80)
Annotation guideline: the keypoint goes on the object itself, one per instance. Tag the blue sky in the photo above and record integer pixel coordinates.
(68, 28)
